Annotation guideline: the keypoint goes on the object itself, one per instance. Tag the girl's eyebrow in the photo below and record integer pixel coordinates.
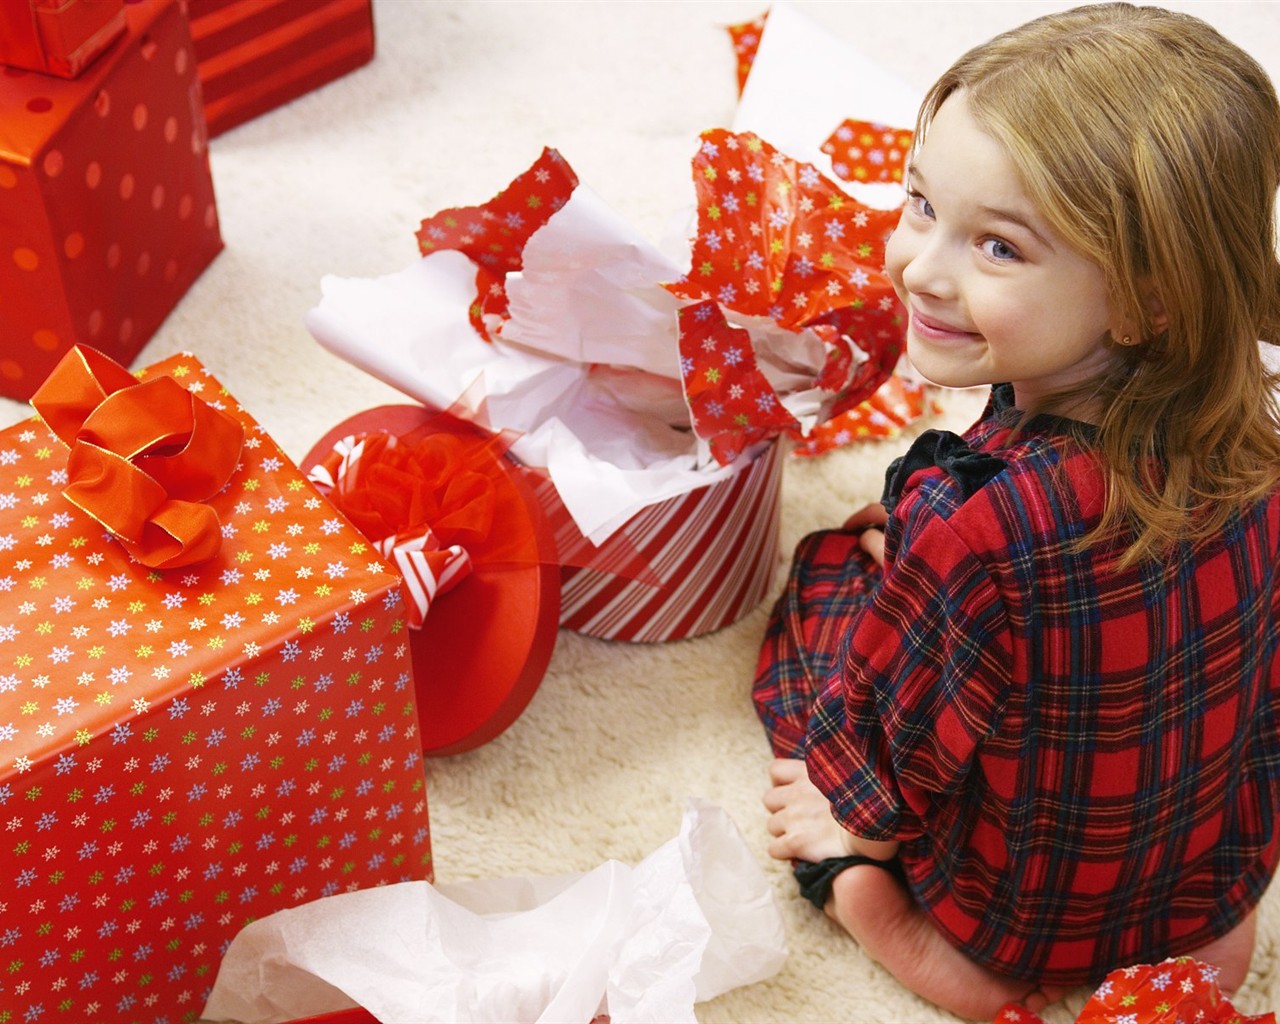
(1021, 221)
(1009, 216)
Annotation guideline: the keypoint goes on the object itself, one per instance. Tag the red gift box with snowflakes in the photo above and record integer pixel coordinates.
(184, 750)
(106, 200)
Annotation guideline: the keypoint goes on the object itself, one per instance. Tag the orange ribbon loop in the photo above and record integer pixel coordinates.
(144, 456)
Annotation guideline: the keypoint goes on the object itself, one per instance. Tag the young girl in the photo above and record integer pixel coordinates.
(1030, 731)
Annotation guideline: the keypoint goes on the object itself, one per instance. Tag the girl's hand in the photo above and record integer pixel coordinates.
(801, 821)
(870, 519)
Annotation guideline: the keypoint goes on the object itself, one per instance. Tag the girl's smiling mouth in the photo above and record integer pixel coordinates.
(933, 329)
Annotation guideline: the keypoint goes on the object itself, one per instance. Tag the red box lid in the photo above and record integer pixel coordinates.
(484, 646)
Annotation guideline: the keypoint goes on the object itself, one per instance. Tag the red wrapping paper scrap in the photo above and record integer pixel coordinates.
(145, 456)
(746, 41)
(731, 410)
(493, 234)
(776, 239)
(865, 151)
(1176, 991)
(897, 402)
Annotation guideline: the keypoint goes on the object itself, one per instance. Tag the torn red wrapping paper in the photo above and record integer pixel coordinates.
(493, 234)
(778, 240)
(746, 40)
(732, 404)
(865, 151)
(896, 403)
(861, 151)
(1176, 991)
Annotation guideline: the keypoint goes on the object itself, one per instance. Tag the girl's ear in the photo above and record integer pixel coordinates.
(1155, 309)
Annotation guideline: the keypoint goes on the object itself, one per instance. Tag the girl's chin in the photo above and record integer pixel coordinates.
(944, 369)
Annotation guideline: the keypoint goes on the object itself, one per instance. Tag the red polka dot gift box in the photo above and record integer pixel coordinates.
(256, 55)
(206, 698)
(107, 211)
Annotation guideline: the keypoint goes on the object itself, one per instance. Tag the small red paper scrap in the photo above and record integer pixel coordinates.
(897, 403)
(494, 234)
(865, 151)
(732, 404)
(746, 40)
(1171, 992)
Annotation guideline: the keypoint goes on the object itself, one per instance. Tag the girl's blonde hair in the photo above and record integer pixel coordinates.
(1152, 145)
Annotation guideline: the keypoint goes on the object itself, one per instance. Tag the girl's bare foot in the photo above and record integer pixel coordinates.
(869, 903)
(1231, 954)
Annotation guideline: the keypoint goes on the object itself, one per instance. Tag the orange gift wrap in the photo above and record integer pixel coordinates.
(107, 212)
(256, 55)
(207, 707)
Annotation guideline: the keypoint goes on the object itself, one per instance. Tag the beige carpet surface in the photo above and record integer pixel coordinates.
(459, 99)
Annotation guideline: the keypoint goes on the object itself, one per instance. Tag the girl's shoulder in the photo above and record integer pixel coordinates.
(1005, 461)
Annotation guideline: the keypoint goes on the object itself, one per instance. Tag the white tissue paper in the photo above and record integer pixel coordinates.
(691, 921)
(590, 321)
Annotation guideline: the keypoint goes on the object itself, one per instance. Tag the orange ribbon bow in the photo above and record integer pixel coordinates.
(145, 456)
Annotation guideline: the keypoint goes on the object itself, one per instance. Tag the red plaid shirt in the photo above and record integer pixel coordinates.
(1082, 763)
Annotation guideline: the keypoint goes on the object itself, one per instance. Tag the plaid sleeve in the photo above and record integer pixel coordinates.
(924, 682)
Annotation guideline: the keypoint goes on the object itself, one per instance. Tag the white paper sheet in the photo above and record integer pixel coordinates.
(691, 921)
(805, 81)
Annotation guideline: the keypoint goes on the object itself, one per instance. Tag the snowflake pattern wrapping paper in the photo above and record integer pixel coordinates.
(777, 241)
(745, 36)
(183, 752)
(1180, 990)
(493, 234)
(862, 151)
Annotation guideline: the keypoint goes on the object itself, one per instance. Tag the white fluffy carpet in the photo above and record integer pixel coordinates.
(459, 99)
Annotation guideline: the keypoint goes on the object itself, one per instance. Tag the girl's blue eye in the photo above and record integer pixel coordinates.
(920, 204)
(1000, 251)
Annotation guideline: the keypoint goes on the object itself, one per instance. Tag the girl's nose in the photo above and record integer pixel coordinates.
(925, 269)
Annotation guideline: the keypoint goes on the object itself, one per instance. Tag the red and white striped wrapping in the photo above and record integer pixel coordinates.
(711, 550)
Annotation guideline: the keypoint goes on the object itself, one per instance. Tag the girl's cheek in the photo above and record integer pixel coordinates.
(897, 254)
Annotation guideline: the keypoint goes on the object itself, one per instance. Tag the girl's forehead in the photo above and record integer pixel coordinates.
(958, 151)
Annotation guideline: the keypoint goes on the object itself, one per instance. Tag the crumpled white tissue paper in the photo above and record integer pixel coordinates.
(691, 921)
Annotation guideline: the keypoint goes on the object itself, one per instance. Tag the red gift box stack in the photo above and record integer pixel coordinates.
(255, 55)
(185, 750)
(107, 212)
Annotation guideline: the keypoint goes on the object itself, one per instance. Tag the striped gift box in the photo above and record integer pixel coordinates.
(255, 55)
(710, 555)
